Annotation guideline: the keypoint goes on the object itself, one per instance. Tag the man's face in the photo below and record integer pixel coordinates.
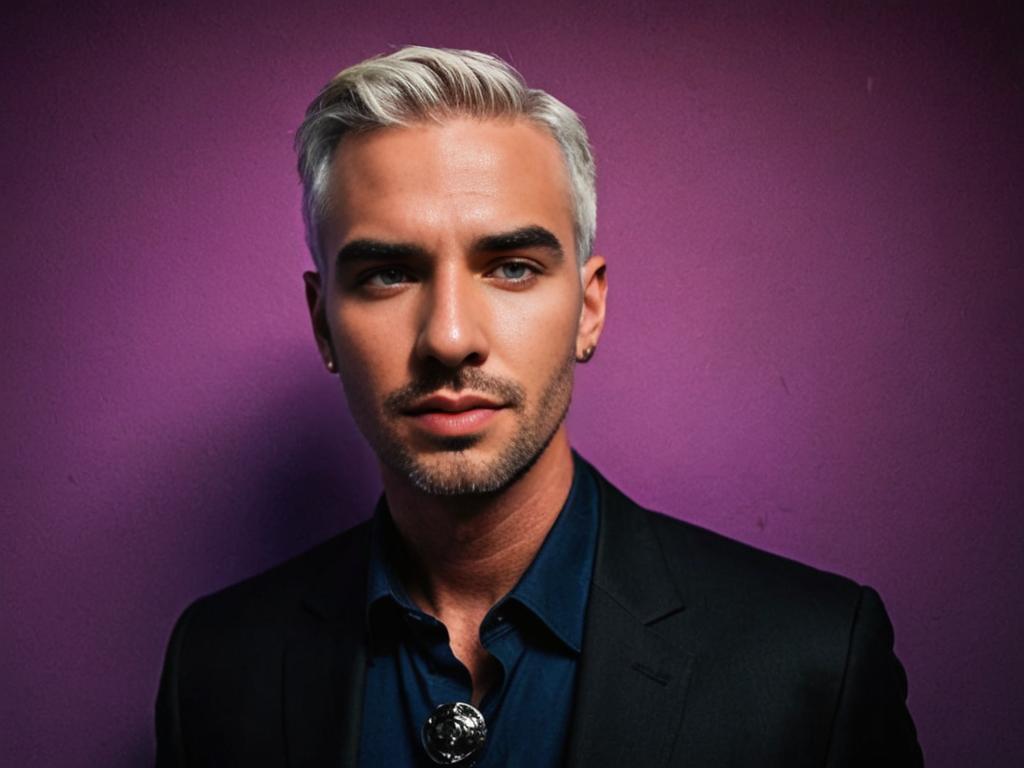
(452, 301)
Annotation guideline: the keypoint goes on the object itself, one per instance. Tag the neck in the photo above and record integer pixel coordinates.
(467, 552)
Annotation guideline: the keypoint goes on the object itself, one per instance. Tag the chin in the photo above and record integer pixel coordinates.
(457, 472)
(462, 467)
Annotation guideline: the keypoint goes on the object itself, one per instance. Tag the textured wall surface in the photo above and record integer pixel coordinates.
(813, 221)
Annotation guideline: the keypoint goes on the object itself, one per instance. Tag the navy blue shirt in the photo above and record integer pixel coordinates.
(535, 632)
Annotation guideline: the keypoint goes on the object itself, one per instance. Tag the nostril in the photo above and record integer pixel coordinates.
(452, 347)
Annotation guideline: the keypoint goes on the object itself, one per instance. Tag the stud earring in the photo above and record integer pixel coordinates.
(587, 354)
(331, 366)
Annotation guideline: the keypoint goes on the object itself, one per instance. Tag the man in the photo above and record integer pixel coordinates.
(505, 605)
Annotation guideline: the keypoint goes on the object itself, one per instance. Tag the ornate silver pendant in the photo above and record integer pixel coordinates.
(454, 734)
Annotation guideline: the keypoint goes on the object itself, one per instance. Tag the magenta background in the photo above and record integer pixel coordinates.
(813, 223)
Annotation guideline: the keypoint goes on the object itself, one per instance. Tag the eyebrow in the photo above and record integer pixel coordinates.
(523, 238)
(379, 250)
(520, 239)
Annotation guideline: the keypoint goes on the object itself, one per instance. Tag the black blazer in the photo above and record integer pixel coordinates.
(698, 651)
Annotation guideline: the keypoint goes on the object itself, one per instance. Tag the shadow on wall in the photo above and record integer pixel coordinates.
(140, 753)
(280, 481)
(316, 475)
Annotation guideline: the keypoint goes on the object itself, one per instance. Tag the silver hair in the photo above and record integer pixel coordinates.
(416, 83)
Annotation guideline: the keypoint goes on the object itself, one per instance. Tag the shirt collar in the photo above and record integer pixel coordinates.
(383, 585)
(554, 587)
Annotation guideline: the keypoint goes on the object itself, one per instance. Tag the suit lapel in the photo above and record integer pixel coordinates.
(325, 664)
(632, 679)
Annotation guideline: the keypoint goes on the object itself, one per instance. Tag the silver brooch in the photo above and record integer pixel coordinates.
(454, 734)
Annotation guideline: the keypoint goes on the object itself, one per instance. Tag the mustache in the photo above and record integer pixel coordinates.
(506, 390)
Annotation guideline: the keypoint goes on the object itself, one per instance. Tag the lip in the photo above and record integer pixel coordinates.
(446, 416)
(446, 404)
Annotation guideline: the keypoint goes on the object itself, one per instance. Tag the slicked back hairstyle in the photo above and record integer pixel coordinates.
(414, 84)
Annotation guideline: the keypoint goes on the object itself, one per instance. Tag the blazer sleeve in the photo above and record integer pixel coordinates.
(170, 746)
(872, 725)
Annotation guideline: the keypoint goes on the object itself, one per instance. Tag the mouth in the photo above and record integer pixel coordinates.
(447, 416)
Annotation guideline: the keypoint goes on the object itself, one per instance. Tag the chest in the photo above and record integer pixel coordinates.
(518, 676)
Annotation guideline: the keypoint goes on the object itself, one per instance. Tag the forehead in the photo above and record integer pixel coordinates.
(463, 177)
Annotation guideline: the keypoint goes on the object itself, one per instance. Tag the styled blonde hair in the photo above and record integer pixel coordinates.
(417, 83)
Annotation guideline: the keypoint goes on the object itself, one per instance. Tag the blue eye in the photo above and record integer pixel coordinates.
(386, 277)
(515, 271)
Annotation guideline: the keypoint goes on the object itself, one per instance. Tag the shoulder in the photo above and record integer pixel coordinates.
(742, 590)
(802, 653)
(267, 601)
(760, 621)
(224, 669)
(724, 568)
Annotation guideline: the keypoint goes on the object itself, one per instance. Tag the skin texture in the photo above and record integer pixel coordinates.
(421, 304)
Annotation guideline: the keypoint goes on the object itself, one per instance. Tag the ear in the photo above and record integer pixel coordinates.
(595, 292)
(318, 315)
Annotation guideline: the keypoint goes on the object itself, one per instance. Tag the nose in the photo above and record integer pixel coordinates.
(452, 324)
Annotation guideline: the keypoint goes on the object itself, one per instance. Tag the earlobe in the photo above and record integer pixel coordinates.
(595, 292)
(318, 318)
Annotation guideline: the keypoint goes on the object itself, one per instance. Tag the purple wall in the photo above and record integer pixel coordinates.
(813, 222)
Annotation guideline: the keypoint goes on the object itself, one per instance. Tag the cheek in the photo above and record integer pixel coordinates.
(537, 331)
(370, 353)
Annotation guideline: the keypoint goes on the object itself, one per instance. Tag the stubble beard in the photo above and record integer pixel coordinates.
(449, 469)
